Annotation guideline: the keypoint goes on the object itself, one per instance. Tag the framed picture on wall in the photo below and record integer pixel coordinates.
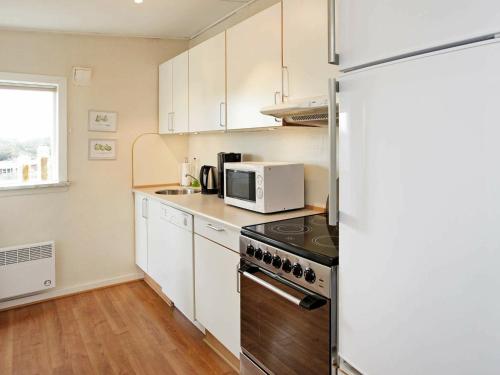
(102, 149)
(103, 121)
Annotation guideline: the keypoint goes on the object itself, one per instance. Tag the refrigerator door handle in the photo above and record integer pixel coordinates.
(333, 57)
(332, 130)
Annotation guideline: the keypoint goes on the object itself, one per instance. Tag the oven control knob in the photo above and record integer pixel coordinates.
(287, 266)
(297, 270)
(250, 250)
(258, 254)
(309, 275)
(268, 258)
(276, 261)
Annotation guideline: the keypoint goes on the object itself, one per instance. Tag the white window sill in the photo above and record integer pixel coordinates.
(33, 188)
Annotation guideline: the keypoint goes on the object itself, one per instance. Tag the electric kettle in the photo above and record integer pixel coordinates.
(208, 180)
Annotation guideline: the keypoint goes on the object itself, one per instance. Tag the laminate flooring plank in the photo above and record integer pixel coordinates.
(124, 329)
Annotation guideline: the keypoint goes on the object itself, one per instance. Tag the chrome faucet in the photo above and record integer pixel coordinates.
(194, 178)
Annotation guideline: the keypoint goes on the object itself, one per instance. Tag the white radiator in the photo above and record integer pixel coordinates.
(27, 269)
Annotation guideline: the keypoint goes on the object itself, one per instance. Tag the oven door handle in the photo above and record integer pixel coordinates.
(309, 302)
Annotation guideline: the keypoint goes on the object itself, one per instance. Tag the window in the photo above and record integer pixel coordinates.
(32, 130)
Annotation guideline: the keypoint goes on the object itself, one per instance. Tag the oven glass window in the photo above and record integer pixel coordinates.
(240, 185)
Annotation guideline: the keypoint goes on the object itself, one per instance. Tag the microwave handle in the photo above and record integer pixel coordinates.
(332, 130)
(309, 302)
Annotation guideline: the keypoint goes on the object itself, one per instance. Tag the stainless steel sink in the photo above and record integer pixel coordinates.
(178, 191)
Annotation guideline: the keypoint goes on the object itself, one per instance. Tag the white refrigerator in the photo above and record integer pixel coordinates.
(419, 196)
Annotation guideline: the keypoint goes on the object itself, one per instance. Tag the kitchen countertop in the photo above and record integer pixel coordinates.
(213, 207)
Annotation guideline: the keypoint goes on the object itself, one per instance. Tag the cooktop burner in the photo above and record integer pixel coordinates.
(291, 228)
(326, 241)
(310, 237)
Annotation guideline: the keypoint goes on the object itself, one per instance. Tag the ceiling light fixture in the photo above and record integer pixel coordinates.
(138, 1)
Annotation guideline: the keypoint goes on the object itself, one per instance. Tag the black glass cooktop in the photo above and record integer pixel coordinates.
(310, 237)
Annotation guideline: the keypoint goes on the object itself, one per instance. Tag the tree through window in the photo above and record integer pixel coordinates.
(31, 121)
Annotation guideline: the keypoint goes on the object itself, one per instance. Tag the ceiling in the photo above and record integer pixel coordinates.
(152, 18)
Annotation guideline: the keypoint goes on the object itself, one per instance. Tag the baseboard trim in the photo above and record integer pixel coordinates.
(315, 208)
(157, 289)
(222, 351)
(200, 326)
(66, 292)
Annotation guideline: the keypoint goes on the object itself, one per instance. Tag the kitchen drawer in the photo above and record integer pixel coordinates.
(217, 232)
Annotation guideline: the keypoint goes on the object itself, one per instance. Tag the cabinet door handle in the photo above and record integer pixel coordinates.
(144, 208)
(333, 57)
(173, 122)
(277, 97)
(285, 77)
(222, 114)
(213, 227)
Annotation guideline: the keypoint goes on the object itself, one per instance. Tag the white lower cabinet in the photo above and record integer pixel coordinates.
(197, 274)
(217, 299)
(158, 242)
(170, 254)
(141, 231)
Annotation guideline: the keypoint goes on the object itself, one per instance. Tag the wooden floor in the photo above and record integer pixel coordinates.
(126, 329)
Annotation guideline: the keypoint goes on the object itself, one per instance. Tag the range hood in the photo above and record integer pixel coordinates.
(305, 112)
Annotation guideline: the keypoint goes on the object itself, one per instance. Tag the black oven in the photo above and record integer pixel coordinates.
(285, 328)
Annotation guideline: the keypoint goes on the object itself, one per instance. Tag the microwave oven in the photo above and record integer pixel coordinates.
(264, 187)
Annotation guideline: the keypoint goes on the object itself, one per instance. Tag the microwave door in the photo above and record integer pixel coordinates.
(240, 185)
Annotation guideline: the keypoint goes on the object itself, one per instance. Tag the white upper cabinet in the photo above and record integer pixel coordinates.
(180, 98)
(165, 97)
(371, 31)
(254, 69)
(207, 85)
(279, 54)
(305, 49)
(173, 95)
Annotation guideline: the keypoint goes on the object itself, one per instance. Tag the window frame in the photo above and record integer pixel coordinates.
(61, 127)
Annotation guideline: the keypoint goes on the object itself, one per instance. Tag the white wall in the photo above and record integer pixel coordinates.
(157, 159)
(92, 220)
